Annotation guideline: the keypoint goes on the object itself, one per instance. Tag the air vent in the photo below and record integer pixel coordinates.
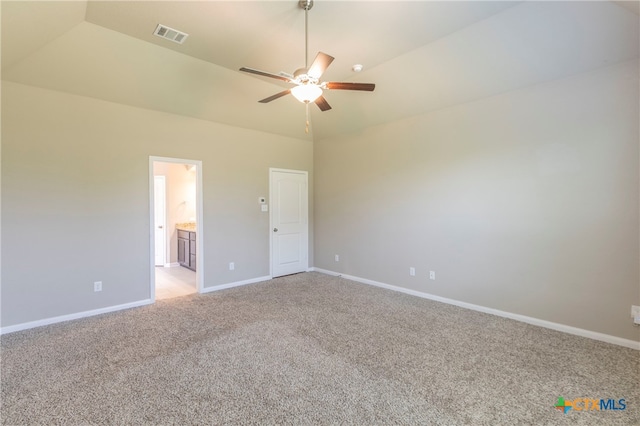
(170, 34)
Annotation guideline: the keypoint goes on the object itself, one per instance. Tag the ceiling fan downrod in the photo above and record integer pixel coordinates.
(306, 5)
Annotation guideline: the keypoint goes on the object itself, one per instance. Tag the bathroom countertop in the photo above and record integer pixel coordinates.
(188, 226)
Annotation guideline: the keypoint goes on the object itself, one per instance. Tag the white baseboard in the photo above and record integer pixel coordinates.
(522, 318)
(62, 318)
(69, 317)
(236, 284)
(171, 265)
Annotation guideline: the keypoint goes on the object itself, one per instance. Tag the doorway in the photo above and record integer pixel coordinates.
(175, 212)
(289, 221)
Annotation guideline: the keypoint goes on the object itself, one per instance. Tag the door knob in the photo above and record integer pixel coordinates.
(160, 227)
(275, 229)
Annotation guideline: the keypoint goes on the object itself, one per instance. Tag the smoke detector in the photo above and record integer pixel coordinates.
(170, 34)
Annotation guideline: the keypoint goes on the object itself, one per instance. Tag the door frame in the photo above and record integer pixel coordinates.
(271, 226)
(156, 180)
(199, 223)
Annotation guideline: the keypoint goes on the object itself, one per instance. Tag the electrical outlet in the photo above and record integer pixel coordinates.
(412, 271)
(432, 275)
(635, 314)
(232, 266)
(337, 258)
(97, 286)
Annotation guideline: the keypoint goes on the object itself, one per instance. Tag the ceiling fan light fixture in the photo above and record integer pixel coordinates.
(306, 93)
(308, 86)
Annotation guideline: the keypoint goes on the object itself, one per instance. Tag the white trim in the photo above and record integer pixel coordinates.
(152, 235)
(324, 271)
(199, 223)
(165, 246)
(172, 265)
(69, 317)
(236, 284)
(522, 318)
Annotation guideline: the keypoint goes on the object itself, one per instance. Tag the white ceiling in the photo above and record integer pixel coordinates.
(422, 55)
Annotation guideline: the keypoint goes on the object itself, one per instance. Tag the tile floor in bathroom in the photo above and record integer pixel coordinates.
(174, 281)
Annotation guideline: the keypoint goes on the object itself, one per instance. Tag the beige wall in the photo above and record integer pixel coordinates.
(525, 202)
(180, 188)
(75, 199)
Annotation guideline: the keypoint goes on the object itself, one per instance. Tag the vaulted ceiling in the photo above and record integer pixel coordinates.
(422, 55)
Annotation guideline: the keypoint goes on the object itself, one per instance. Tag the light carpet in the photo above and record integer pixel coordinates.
(309, 349)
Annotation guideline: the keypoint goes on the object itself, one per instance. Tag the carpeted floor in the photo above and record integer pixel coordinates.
(309, 349)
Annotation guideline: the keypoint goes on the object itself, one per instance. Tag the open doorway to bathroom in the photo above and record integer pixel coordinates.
(176, 234)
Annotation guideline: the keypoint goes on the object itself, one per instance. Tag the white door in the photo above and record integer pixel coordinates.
(289, 222)
(159, 214)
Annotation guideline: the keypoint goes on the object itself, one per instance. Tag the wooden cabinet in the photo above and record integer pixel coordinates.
(187, 249)
(192, 250)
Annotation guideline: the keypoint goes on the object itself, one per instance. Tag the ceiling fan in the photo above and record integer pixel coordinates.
(308, 86)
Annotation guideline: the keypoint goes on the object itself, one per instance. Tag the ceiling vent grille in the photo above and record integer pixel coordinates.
(170, 34)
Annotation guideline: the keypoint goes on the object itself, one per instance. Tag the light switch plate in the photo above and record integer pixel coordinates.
(265, 208)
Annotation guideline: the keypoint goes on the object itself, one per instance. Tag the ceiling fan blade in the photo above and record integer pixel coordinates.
(265, 74)
(332, 85)
(274, 97)
(322, 104)
(319, 65)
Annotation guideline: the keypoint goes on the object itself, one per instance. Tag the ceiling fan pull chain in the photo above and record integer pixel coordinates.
(306, 129)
